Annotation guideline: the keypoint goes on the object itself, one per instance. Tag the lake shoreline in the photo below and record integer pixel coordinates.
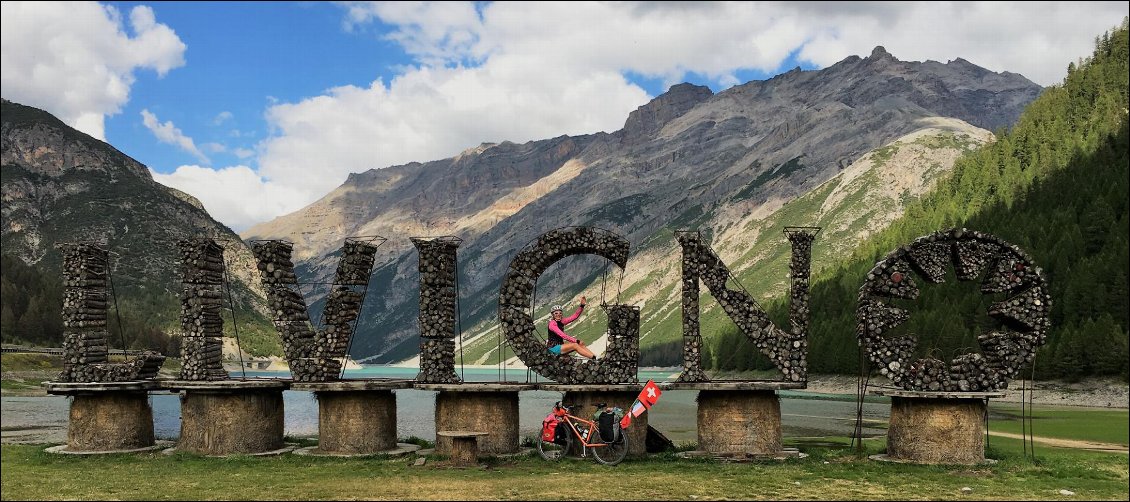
(1112, 393)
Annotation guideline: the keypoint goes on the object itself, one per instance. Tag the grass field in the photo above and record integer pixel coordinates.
(1086, 424)
(831, 472)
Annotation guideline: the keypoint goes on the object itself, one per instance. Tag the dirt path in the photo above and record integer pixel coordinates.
(1069, 443)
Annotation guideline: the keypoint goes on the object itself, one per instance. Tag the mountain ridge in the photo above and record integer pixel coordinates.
(681, 160)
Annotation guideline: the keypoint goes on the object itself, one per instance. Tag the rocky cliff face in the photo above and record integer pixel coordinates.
(648, 119)
(61, 185)
(688, 159)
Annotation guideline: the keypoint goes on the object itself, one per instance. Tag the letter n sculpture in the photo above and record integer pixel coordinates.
(787, 350)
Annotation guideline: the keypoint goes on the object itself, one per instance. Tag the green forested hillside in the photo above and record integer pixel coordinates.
(1057, 185)
(30, 312)
(62, 185)
(31, 301)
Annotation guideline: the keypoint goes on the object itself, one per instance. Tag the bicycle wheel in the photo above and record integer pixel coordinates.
(612, 453)
(553, 451)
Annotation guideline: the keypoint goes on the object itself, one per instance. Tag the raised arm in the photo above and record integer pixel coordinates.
(575, 315)
(553, 327)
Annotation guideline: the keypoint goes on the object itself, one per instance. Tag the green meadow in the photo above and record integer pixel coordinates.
(832, 470)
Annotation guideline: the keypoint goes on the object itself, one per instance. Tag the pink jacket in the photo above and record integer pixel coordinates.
(565, 321)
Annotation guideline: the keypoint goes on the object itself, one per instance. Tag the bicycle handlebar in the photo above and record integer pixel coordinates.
(568, 406)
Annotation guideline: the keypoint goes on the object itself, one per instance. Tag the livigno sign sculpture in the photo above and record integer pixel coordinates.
(439, 264)
(788, 350)
(202, 298)
(315, 355)
(86, 269)
(1005, 269)
(620, 359)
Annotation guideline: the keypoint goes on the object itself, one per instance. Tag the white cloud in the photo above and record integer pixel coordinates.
(222, 117)
(225, 193)
(168, 133)
(243, 153)
(524, 71)
(75, 59)
(213, 148)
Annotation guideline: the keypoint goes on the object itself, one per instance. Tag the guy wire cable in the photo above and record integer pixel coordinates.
(459, 321)
(533, 302)
(861, 383)
(234, 323)
(498, 350)
(117, 312)
(1023, 413)
(986, 418)
(360, 308)
(1031, 412)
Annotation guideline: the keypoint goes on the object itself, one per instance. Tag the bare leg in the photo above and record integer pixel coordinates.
(573, 347)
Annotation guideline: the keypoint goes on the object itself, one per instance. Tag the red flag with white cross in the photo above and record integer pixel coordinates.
(647, 398)
(650, 394)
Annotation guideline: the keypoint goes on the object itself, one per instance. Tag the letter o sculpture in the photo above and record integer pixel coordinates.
(515, 299)
(1002, 267)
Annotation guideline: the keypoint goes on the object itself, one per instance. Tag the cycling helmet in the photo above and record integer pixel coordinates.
(555, 308)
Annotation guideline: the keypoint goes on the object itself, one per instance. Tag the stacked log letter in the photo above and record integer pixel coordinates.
(202, 323)
(1002, 267)
(621, 357)
(315, 355)
(787, 350)
(437, 320)
(85, 336)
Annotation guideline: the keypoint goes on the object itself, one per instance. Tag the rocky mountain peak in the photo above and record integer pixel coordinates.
(880, 52)
(62, 185)
(648, 119)
(43, 144)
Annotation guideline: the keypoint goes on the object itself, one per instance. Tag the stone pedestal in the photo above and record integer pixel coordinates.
(585, 397)
(355, 417)
(230, 416)
(464, 446)
(107, 417)
(738, 418)
(739, 421)
(937, 427)
(486, 407)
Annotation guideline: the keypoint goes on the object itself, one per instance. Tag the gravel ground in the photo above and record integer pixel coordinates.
(1093, 392)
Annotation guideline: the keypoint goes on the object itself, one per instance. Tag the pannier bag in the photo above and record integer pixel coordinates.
(549, 428)
(562, 434)
(609, 427)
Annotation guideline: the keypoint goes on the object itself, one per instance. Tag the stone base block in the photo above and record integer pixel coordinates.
(231, 422)
(583, 402)
(495, 413)
(110, 421)
(65, 450)
(937, 431)
(739, 422)
(356, 422)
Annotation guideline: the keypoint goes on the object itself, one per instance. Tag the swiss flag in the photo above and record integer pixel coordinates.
(650, 394)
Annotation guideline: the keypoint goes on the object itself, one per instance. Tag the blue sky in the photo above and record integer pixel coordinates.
(242, 57)
(259, 108)
(245, 56)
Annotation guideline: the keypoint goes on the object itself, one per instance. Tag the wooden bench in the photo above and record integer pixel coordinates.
(464, 446)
